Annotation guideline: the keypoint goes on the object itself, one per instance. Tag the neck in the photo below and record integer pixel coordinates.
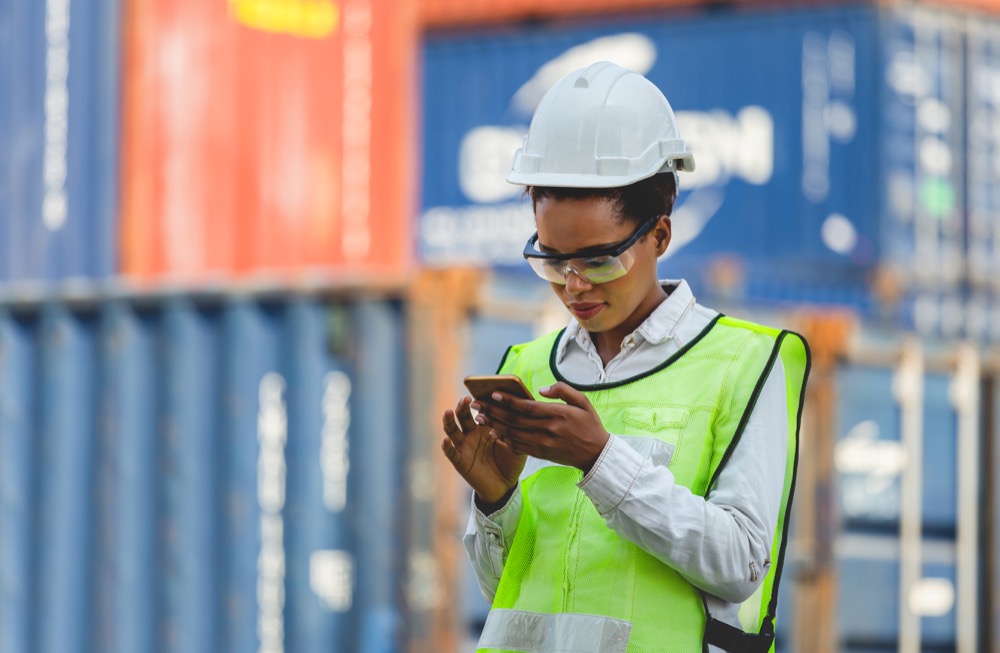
(609, 343)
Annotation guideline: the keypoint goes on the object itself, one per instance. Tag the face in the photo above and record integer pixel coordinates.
(572, 225)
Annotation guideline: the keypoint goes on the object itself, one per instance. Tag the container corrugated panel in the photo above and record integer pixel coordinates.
(58, 139)
(201, 475)
(902, 521)
(785, 203)
(868, 594)
(983, 106)
(923, 166)
(870, 455)
(266, 140)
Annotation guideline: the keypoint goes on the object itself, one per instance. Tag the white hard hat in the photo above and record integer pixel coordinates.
(602, 126)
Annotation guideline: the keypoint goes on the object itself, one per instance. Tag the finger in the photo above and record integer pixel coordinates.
(520, 441)
(523, 406)
(464, 413)
(567, 393)
(451, 429)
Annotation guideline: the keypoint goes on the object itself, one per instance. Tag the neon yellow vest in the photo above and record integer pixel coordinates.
(570, 583)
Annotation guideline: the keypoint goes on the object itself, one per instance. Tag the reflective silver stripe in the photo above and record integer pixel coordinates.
(536, 632)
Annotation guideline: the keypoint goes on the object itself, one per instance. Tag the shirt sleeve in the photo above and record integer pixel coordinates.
(487, 541)
(721, 543)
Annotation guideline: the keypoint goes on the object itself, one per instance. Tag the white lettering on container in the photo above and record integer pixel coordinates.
(272, 434)
(335, 447)
(357, 129)
(331, 577)
(55, 207)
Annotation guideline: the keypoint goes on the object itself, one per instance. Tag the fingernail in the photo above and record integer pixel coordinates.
(480, 419)
(497, 396)
(474, 405)
(545, 389)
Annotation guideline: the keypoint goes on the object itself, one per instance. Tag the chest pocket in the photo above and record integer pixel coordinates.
(664, 423)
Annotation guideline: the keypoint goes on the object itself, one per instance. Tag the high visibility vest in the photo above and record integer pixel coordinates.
(570, 583)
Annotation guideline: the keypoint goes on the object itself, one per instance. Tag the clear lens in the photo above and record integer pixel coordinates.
(592, 270)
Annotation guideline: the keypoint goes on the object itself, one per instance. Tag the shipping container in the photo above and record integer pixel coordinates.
(983, 161)
(451, 13)
(59, 78)
(829, 147)
(202, 473)
(268, 141)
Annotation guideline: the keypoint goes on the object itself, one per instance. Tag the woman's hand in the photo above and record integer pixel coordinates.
(569, 433)
(488, 465)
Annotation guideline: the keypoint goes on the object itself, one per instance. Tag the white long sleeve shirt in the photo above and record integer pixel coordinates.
(721, 543)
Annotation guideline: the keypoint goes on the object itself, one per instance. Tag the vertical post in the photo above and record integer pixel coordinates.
(908, 388)
(814, 519)
(965, 397)
(439, 307)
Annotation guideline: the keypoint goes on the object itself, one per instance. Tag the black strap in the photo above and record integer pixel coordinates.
(732, 639)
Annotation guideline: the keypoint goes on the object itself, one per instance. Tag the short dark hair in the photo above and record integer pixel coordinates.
(636, 202)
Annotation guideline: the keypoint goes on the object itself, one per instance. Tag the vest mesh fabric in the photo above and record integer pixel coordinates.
(564, 557)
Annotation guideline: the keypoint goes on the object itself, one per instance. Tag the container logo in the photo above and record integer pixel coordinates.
(870, 469)
(495, 225)
(311, 19)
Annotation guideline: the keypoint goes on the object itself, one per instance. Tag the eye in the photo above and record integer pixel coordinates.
(595, 262)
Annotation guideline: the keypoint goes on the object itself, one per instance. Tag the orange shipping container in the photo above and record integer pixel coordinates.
(268, 137)
(449, 13)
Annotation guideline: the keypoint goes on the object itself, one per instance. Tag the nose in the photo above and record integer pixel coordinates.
(576, 284)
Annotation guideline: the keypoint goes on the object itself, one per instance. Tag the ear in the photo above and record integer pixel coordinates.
(661, 233)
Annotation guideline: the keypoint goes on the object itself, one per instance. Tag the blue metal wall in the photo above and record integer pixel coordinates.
(59, 71)
(796, 120)
(870, 457)
(201, 475)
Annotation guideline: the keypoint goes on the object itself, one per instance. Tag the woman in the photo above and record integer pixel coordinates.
(639, 504)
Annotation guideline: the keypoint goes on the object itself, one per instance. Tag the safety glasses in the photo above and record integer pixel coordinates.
(594, 266)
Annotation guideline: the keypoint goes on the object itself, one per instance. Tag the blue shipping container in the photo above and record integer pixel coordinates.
(792, 117)
(868, 578)
(870, 456)
(201, 474)
(59, 71)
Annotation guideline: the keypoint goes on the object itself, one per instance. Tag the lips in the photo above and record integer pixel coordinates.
(585, 310)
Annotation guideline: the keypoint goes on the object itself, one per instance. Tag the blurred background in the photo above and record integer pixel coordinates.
(249, 248)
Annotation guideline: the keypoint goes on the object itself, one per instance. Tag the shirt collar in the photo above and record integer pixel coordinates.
(660, 326)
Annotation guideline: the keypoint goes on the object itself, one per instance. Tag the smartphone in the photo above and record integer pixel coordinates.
(483, 387)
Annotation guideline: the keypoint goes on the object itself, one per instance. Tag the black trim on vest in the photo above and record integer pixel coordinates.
(745, 419)
(772, 608)
(617, 384)
(503, 361)
(732, 639)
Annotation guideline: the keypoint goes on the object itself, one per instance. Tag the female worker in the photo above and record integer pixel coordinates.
(639, 503)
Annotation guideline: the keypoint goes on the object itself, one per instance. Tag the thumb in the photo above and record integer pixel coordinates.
(567, 393)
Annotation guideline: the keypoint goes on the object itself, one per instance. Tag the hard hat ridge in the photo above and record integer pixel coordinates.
(601, 126)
